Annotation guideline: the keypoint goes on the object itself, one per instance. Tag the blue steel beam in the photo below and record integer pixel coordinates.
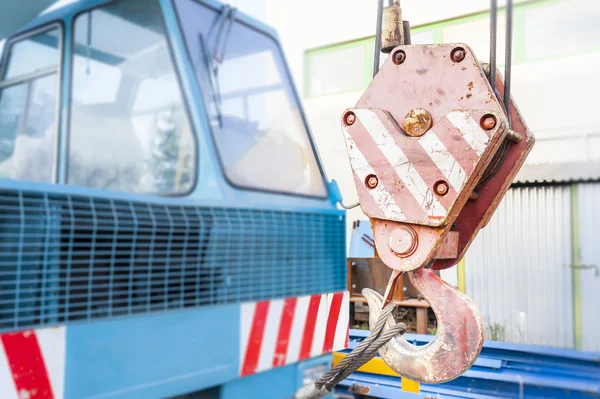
(503, 370)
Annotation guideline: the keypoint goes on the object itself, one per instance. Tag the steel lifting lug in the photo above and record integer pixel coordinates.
(458, 340)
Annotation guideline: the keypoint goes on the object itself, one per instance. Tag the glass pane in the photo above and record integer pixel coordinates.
(259, 131)
(33, 54)
(326, 77)
(422, 37)
(28, 130)
(129, 126)
(562, 28)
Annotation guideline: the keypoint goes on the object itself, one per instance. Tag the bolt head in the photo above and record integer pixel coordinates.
(488, 122)
(350, 118)
(417, 122)
(372, 181)
(441, 188)
(403, 241)
(399, 57)
(458, 54)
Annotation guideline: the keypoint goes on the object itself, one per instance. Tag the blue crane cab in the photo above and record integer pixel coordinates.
(166, 226)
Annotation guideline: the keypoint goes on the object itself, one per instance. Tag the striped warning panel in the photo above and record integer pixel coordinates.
(409, 167)
(282, 331)
(32, 364)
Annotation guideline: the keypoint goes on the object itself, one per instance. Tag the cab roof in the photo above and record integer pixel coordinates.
(65, 10)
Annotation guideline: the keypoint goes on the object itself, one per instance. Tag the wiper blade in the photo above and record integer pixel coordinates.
(221, 30)
(222, 27)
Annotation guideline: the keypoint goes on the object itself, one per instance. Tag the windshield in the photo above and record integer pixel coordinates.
(255, 117)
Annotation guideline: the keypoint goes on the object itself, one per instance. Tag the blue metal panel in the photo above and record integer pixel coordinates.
(358, 247)
(503, 370)
(279, 383)
(153, 356)
(67, 256)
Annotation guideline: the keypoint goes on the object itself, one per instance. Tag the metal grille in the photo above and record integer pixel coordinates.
(68, 257)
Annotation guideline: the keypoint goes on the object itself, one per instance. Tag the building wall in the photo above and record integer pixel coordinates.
(517, 269)
(588, 254)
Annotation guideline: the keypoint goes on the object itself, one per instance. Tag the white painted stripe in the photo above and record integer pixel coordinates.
(267, 350)
(399, 161)
(339, 341)
(297, 329)
(470, 129)
(380, 195)
(442, 158)
(8, 390)
(320, 327)
(52, 343)
(246, 316)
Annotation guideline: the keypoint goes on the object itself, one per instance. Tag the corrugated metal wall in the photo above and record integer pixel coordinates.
(518, 272)
(589, 251)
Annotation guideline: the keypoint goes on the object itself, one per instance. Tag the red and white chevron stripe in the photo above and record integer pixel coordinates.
(32, 364)
(282, 331)
(409, 167)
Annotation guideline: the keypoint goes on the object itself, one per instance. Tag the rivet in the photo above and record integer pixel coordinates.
(441, 188)
(371, 181)
(399, 57)
(458, 54)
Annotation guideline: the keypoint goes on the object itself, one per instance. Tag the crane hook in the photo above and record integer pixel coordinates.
(458, 340)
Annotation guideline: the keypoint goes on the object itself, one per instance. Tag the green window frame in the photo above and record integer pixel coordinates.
(519, 49)
(367, 46)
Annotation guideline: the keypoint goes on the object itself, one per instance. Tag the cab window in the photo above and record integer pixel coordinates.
(129, 129)
(28, 106)
(254, 115)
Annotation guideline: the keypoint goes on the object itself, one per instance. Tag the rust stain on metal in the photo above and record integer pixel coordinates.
(417, 122)
(470, 85)
(359, 389)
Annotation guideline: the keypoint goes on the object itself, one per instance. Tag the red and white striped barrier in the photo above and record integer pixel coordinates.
(282, 331)
(32, 364)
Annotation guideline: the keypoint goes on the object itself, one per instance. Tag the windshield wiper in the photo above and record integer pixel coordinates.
(219, 35)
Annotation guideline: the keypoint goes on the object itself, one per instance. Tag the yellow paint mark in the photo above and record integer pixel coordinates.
(378, 366)
(410, 386)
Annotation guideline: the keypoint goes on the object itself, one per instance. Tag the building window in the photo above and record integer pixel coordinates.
(559, 28)
(28, 107)
(129, 129)
(254, 115)
(324, 75)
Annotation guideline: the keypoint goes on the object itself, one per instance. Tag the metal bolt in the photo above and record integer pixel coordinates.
(372, 181)
(513, 136)
(417, 122)
(350, 118)
(403, 241)
(458, 54)
(474, 196)
(399, 57)
(488, 122)
(441, 188)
